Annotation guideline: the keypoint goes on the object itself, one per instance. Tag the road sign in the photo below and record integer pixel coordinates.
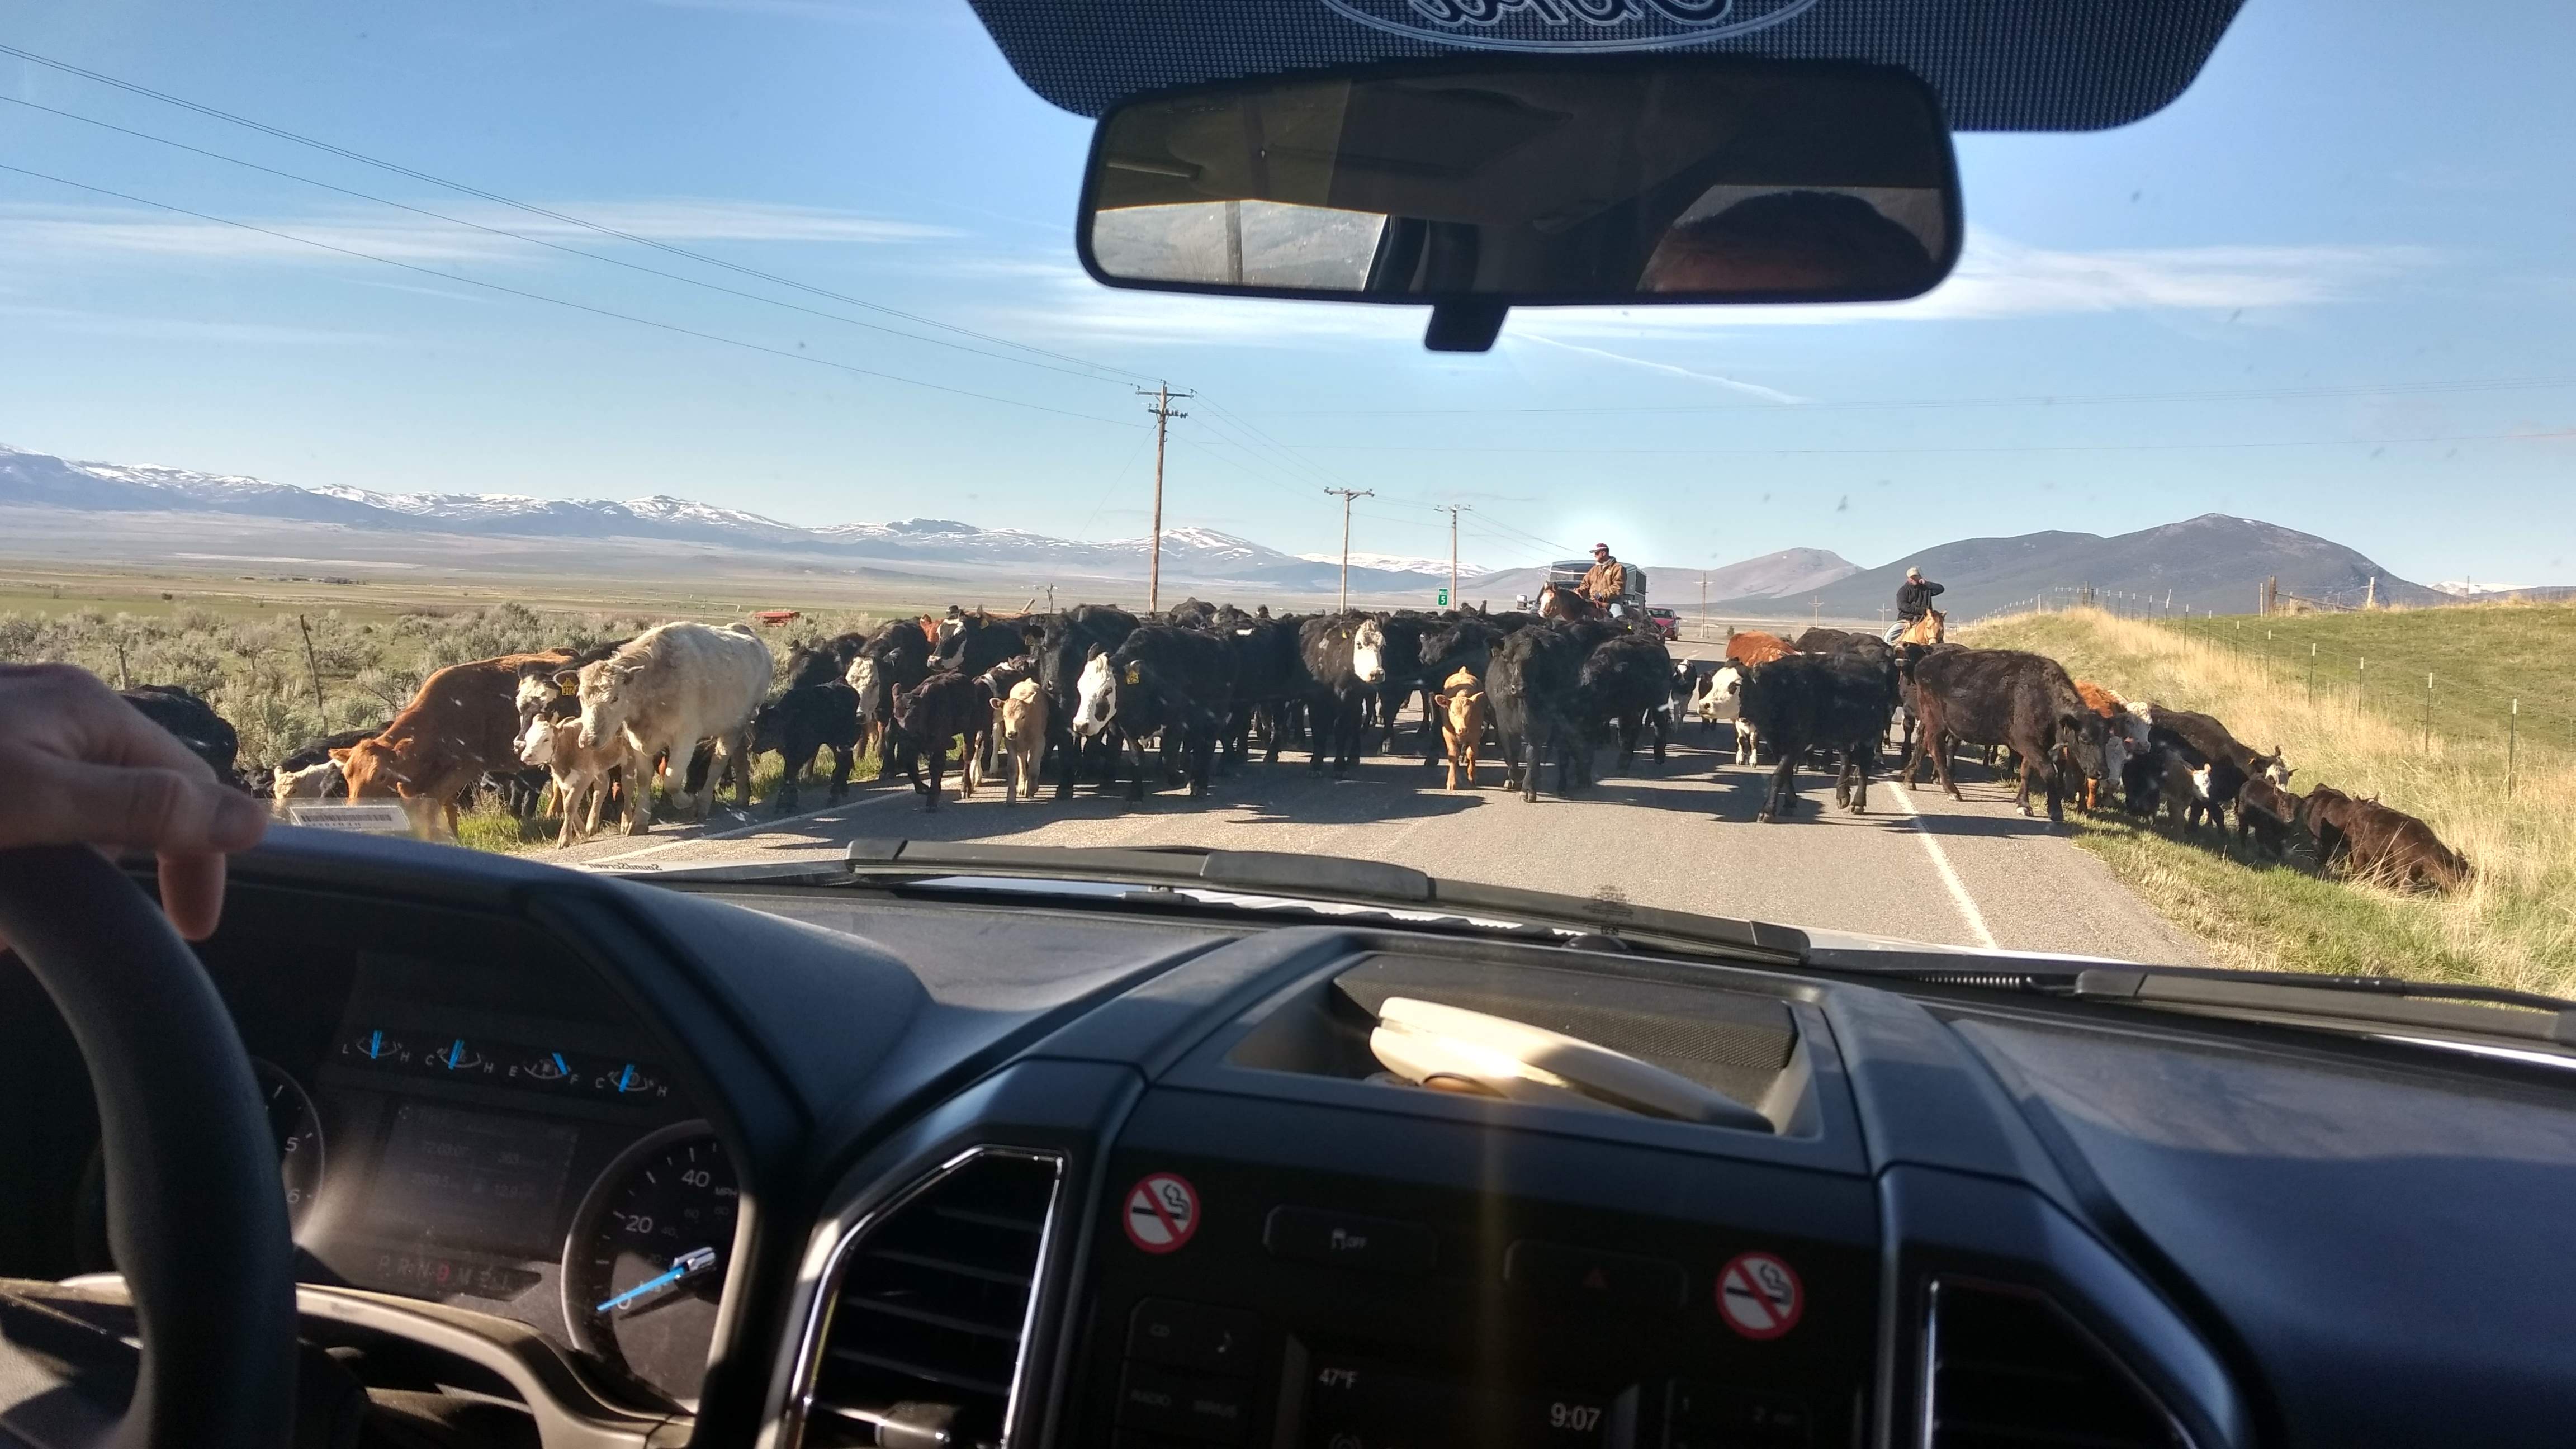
(1760, 1295)
(1162, 1212)
(1444, 598)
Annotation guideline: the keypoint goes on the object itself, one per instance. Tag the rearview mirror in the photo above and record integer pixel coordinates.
(1481, 185)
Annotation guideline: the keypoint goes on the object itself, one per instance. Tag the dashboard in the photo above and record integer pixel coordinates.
(796, 1167)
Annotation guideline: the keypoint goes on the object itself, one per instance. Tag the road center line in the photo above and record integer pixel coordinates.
(1966, 903)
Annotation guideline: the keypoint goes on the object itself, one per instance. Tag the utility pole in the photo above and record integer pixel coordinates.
(1453, 510)
(1346, 495)
(1161, 408)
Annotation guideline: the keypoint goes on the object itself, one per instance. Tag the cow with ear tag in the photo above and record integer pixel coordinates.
(1174, 683)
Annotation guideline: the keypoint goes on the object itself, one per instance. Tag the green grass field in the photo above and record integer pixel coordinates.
(2514, 926)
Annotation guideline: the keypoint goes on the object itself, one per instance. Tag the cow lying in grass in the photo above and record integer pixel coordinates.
(2374, 842)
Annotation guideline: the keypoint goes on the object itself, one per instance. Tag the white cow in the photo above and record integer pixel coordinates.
(667, 689)
(313, 782)
(579, 776)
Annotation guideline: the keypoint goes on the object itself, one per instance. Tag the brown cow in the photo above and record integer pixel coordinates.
(1462, 722)
(1755, 647)
(464, 721)
(2376, 842)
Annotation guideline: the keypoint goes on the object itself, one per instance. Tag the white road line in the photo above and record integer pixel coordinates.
(755, 828)
(1966, 903)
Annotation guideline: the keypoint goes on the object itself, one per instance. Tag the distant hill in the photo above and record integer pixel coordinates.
(1790, 571)
(2213, 562)
(1201, 557)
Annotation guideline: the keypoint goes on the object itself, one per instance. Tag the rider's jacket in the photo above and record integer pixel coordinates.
(1914, 600)
(1605, 581)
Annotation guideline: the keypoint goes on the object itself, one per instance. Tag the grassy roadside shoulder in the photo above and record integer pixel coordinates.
(2514, 926)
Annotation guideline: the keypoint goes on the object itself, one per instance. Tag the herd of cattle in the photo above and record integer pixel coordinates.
(1101, 694)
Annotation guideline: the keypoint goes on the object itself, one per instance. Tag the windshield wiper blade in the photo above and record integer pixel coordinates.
(1265, 872)
(2385, 1000)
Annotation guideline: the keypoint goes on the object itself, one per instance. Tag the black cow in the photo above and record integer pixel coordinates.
(1534, 688)
(942, 707)
(1178, 682)
(1191, 614)
(979, 642)
(1833, 641)
(2003, 697)
(1269, 676)
(307, 756)
(1466, 642)
(208, 735)
(1836, 702)
(1627, 683)
(1400, 657)
(1065, 643)
(2231, 763)
(802, 721)
(1343, 665)
(891, 660)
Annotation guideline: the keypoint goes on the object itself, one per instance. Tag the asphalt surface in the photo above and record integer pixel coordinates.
(1917, 866)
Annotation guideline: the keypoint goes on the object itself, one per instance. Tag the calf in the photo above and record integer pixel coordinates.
(312, 782)
(1690, 677)
(1066, 644)
(208, 735)
(1722, 699)
(2231, 762)
(1020, 722)
(801, 722)
(581, 775)
(1838, 702)
(1179, 682)
(2375, 842)
(667, 689)
(1627, 684)
(927, 716)
(1462, 723)
(463, 722)
(2269, 813)
(1344, 660)
(2003, 697)
(2114, 712)
(1534, 688)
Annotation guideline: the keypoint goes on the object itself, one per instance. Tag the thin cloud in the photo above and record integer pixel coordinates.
(177, 329)
(1755, 389)
(86, 232)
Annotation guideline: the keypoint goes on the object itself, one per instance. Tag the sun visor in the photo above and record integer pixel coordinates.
(1998, 65)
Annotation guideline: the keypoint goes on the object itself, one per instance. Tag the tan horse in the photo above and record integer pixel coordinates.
(1930, 629)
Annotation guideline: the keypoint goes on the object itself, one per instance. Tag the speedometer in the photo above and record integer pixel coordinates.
(644, 1267)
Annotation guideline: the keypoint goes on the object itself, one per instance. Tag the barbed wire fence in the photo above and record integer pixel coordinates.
(2468, 723)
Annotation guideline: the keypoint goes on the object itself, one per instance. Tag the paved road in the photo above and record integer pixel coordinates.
(1918, 866)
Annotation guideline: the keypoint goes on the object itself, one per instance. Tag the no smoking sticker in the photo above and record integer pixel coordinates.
(1161, 1212)
(1760, 1295)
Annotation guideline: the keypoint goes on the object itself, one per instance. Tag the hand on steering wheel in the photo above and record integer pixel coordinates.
(86, 768)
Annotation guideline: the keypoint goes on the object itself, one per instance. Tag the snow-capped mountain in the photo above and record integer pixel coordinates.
(1204, 555)
(1396, 563)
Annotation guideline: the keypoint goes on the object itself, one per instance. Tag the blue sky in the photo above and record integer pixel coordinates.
(2330, 287)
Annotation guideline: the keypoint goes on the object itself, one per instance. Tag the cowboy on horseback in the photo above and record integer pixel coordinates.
(1606, 582)
(1914, 609)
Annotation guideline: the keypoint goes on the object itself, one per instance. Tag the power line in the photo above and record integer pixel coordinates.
(563, 302)
(1981, 448)
(2039, 400)
(475, 191)
(1093, 376)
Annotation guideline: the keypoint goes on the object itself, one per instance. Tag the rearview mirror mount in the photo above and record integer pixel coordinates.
(1485, 184)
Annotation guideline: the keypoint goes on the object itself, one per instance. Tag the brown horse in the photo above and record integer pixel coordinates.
(1564, 601)
(1932, 628)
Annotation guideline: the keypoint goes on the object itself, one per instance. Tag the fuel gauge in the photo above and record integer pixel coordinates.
(545, 1068)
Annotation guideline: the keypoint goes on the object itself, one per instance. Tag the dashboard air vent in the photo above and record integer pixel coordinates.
(2008, 1370)
(929, 1303)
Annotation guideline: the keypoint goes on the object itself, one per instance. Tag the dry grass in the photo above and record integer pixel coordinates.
(2515, 925)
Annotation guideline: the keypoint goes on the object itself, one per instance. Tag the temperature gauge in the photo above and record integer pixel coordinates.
(456, 1056)
(628, 1080)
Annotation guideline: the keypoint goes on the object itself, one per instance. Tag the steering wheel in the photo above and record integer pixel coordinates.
(193, 1207)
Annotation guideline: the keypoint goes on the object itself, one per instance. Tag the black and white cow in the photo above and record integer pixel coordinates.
(1345, 662)
(1065, 644)
(1172, 681)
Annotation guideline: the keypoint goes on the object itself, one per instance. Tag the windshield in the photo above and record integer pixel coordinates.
(660, 434)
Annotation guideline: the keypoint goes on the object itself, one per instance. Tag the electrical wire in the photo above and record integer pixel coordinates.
(672, 327)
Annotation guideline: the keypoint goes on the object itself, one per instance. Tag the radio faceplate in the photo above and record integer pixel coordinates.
(1270, 1306)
